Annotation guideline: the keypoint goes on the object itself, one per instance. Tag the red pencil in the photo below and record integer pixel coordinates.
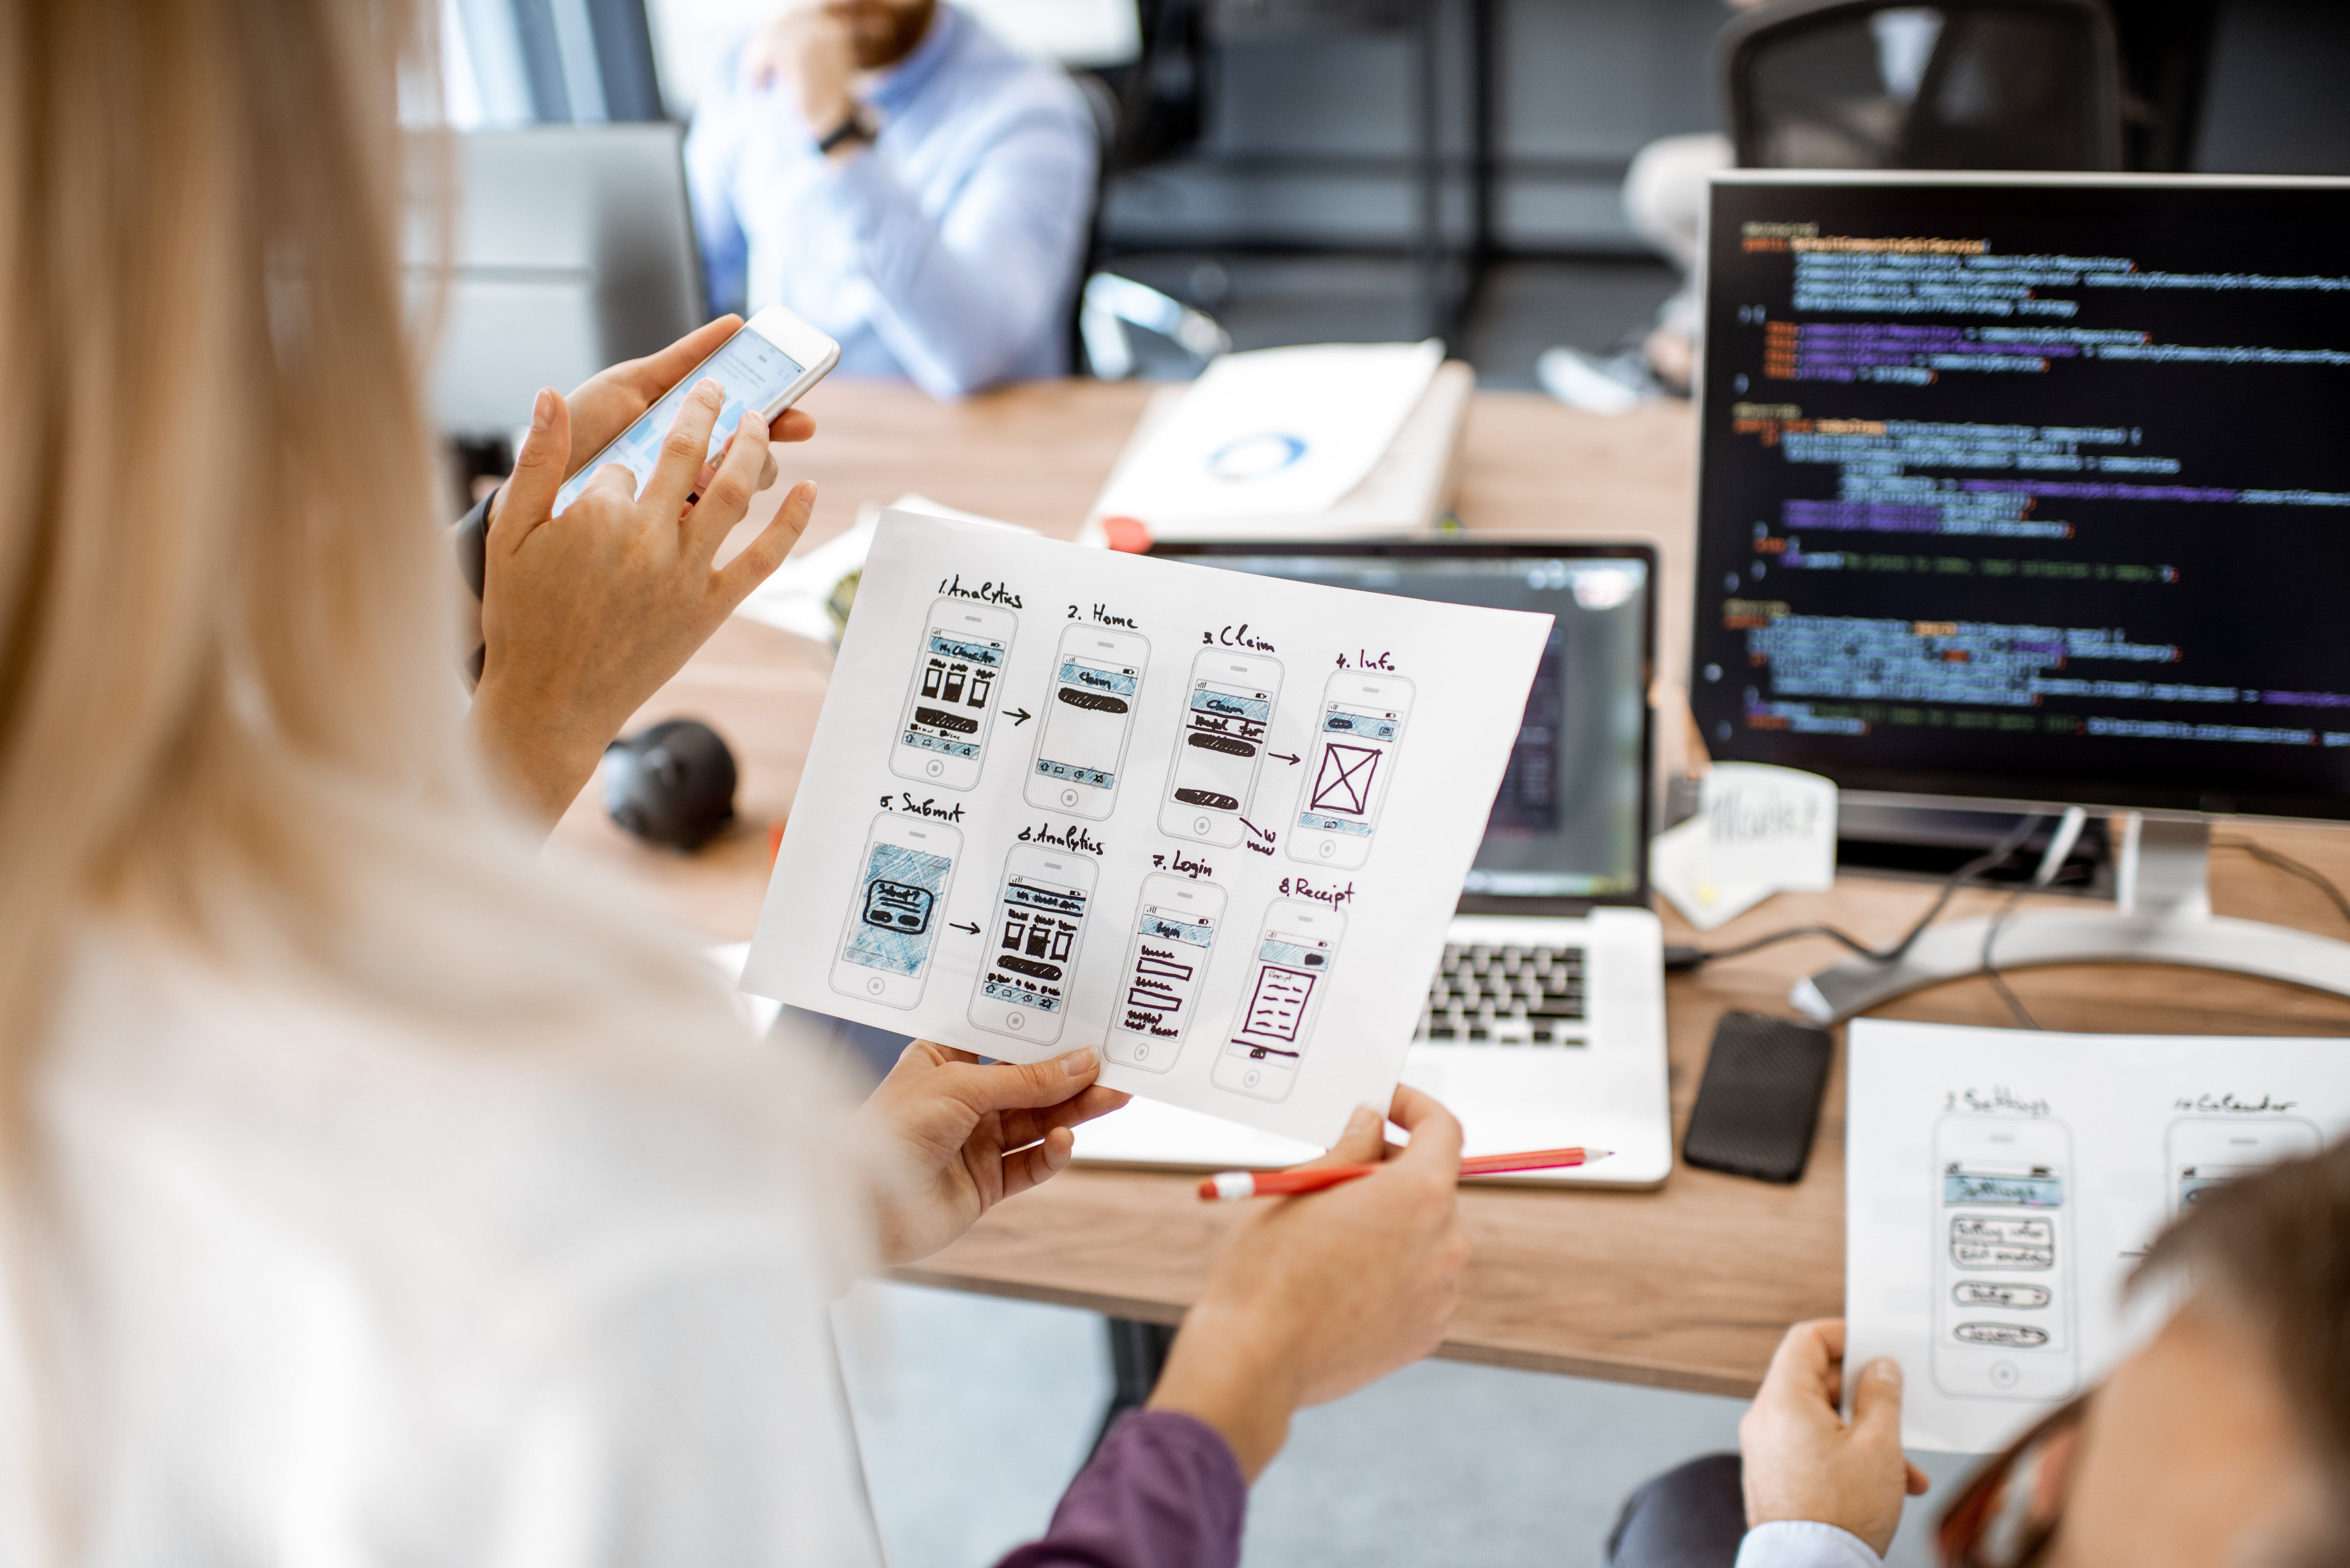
(1231, 1185)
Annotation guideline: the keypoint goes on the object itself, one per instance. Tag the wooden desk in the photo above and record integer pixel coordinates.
(1688, 1287)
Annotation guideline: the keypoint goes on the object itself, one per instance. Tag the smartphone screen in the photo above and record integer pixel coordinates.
(754, 371)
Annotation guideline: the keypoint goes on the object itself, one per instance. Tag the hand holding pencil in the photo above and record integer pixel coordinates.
(1307, 1302)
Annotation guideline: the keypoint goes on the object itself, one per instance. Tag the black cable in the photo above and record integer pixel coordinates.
(1991, 971)
(1684, 958)
(2286, 863)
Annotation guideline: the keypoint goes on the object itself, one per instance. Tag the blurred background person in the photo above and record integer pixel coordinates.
(904, 180)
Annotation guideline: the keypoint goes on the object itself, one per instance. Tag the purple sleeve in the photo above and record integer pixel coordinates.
(1163, 1491)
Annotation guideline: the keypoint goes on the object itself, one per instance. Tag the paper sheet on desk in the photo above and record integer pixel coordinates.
(793, 599)
(2000, 1184)
(1243, 905)
(1279, 432)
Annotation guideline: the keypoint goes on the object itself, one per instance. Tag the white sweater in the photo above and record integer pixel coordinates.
(329, 1290)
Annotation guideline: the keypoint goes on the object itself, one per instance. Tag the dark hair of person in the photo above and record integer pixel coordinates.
(2272, 1250)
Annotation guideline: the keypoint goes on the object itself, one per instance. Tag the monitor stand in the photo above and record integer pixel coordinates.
(2162, 914)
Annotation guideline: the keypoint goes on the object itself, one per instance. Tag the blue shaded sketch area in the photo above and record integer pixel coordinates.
(900, 896)
(2034, 1191)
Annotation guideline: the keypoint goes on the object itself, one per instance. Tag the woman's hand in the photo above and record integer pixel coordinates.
(585, 616)
(1804, 1461)
(1316, 1296)
(610, 401)
(956, 1138)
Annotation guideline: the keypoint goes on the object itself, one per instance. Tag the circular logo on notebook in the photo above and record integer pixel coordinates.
(1257, 456)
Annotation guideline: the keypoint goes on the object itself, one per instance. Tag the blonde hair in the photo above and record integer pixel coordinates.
(228, 707)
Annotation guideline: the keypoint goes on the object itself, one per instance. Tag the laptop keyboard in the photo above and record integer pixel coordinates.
(1506, 996)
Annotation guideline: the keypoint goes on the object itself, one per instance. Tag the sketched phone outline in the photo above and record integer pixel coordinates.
(894, 917)
(1149, 981)
(1349, 784)
(1281, 1007)
(1227, 712)
(1043, 927)
(1087, 682)
(954, 669)
(2004, 1267)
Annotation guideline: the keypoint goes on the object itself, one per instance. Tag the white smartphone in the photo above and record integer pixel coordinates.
(1226, 722)
(1024, 980)
(2003, 1264)
(901, 898)
(1292, 965)
(1358, 731)
(1081, 744)
(768, 366)
(2201, 1153)
(1175, 929)
(951, 702)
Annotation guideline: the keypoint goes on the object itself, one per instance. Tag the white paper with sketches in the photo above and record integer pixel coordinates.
(2000, 1185)
(1211, 823)
(1278, 432)
(794, 597)
(1758, 830)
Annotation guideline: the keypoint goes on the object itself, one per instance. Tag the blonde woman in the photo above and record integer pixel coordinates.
(373, 1191)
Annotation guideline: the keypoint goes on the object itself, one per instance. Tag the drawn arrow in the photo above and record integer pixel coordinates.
(1260, 832)
(1019, 716)
(972, 928)
(1285, 757)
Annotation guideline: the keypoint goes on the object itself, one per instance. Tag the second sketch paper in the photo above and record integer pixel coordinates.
(1209, 823)
(1999, 1186)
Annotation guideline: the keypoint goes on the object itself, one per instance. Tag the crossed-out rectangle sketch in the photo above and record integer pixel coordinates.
(1360, 726)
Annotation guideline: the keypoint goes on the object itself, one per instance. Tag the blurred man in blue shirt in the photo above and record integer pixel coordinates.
(896, 175)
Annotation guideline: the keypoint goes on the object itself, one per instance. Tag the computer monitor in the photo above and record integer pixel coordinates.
(2029, 488)
(571, 248)
(1569, 825)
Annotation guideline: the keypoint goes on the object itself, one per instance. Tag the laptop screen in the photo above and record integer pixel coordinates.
(1570, 819)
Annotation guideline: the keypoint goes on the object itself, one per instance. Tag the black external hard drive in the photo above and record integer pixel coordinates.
(1760, 1101)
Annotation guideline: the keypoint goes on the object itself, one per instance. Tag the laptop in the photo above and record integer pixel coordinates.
(1545, 1024)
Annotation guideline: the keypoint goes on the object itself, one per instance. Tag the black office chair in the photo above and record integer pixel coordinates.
(1107, 304)
(1964, 84)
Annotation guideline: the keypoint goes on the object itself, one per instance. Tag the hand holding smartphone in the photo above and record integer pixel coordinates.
(583, 623)
(765, 367)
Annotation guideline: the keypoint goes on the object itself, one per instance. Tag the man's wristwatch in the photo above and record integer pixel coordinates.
(858, 127)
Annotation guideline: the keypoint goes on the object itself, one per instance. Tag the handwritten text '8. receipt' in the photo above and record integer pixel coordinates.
(1210, 823)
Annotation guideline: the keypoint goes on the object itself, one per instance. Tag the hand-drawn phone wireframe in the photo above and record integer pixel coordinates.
(1356, 735)
(901, 897)
(1175, 929)
(950, 700)
(1290, 973)
(2003, 1264)
(1027, 976)
(1081, 744)
(1227, 721)
(2202, 1154)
